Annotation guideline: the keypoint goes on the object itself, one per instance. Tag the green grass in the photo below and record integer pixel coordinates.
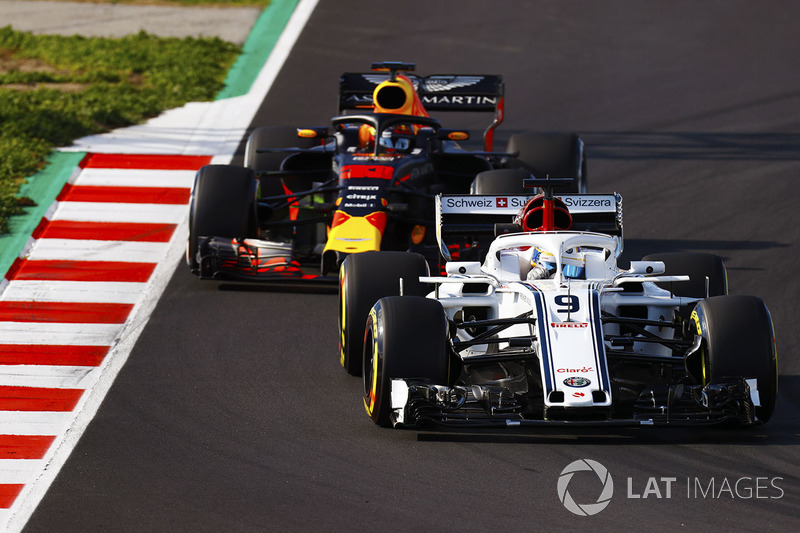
(56, 89)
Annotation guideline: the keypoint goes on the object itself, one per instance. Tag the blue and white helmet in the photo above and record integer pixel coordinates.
(573, 264)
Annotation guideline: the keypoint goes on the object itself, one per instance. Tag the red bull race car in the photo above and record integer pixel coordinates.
(549, 330)
(306, 198)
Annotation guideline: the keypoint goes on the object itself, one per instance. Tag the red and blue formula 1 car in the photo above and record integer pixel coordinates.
(307, 198)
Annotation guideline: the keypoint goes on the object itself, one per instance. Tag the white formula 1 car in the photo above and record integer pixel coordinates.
(547, 329)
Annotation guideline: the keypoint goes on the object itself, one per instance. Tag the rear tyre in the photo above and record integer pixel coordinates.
(739, 342)
(698, 266)
(558, 155)
(272, 137)
(222, 205)
(501, 181)
(406, 337)
(364, 279)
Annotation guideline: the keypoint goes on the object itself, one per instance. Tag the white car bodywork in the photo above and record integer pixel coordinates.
(569, 335)
(549, 329)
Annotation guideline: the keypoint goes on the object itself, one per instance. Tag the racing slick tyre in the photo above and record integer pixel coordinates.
(406, 337)
(698, 267)
(272, 137)
(364, 279)
(501, 181)
(738, 341)
(222, 205)
(558, 155)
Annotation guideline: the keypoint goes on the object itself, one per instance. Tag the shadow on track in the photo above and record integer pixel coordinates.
(635, 249)
(693, 146)
(278, 287)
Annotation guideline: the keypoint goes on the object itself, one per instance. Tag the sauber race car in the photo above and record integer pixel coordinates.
(549, 330)
(307, 198)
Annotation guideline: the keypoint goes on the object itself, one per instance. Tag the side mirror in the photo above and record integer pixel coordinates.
(647, 268)
(313, 133)
(463, 267)
(452, 135)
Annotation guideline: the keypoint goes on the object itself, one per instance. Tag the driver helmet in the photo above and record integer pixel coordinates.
(396, 141)
(573, 263)
(543, 264)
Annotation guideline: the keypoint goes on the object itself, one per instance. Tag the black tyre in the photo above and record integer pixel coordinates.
(364, 279)
(501, 181)
(222, 205)
(558, 155)
(406, 337)
(272, 137)
(698, 266)
(739, 342)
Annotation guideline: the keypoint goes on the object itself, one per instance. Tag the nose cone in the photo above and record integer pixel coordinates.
(352, 234)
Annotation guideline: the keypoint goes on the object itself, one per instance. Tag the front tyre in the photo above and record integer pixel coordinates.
(738, 341)
(364, 279)
(222, 205)
(406, 337)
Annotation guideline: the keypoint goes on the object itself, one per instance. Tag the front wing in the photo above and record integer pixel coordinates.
(253, 260)
(417, 402)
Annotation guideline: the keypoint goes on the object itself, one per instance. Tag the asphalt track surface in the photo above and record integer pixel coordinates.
(232, 413)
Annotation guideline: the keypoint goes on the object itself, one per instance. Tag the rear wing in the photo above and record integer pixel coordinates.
(439, 92)
(480, 218)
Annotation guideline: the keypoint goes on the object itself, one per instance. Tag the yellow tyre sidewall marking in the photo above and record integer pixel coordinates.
(696, 319)
(369, 402)
(343, 314)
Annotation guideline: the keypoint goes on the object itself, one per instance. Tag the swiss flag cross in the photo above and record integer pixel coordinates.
(501, 202)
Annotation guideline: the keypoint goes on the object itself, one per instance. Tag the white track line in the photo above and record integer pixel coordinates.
(86, 250)
(74, 291)
(48, 376)
(106, 177)
(19, 470)
(58, 333)
(34, 423)
(111, 212)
